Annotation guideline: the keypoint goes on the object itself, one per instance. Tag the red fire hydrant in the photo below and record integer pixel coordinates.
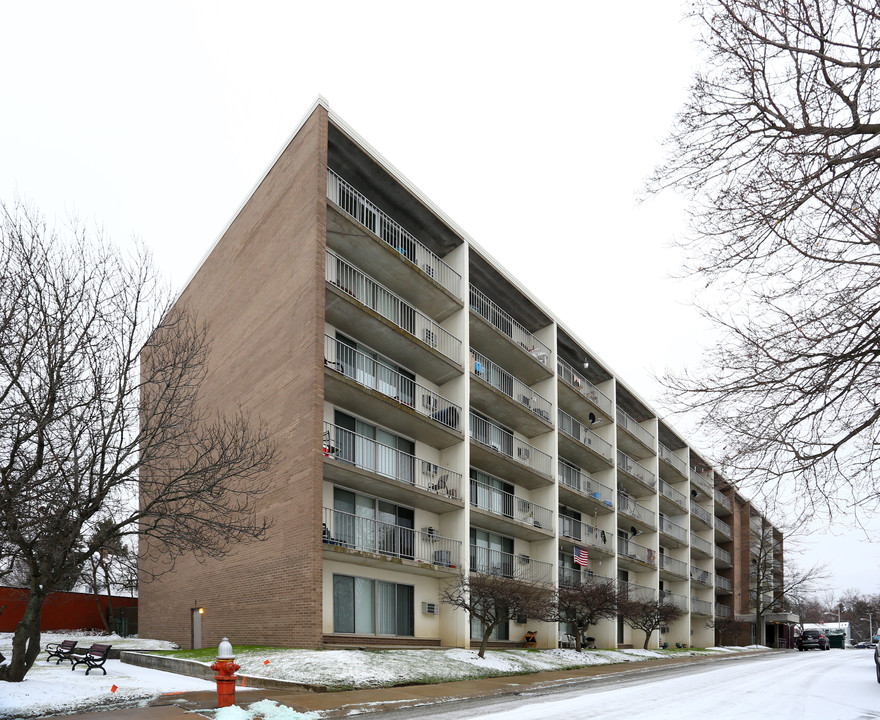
(225, 668)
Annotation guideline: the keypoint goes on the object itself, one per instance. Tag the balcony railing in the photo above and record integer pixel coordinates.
(585, 533)
(701, 482)
(370, 372)
(637, 470)
(636, 592)
(585, 387)
(723, 555)
(700, 544)
(577, 479)
(722, 499)
(722, 610)
(673, 529)
(367, 454)
(635, 510)
(573, 577)
(699, 511)
(629, 424)
(505, 504)
(723, 583)
(368, 535)
(723, 527)
(503, 441)
(680, 601)
(391, 232)
(679, 498)
(584, 435)
(673, 565)
(393, 308)
(701, 607)
(673, 459)
(513, 387)
(633, 550)
(518, 567)
(503, 321)
(701, 576)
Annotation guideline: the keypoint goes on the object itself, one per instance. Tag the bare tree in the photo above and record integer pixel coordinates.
(110, 570)
(777, 149)
(728, 627)
(494, 599)
(648, 615)
(585, 604)
(85, 419)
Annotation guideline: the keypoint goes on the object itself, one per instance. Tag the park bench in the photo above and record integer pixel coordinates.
(94, 658)
(60, 650)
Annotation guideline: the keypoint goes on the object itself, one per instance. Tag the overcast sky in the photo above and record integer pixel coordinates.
(533, 126)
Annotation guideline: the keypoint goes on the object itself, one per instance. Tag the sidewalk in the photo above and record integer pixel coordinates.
(341, 704)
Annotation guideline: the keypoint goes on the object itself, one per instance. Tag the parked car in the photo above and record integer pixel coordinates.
(810, 639)
(877, 661)
(865, 644)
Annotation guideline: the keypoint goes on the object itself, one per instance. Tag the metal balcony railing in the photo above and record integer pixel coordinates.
(701, 607)
(371, 372)
(634, 429)
(637, 470)
(723, 583)
(585, 387)
(723, 500)
(673, 565)
(368, 535)
(633, 550)
(504, 321)
(573, 577)
(722, 610)
(585, 533)
(635, 510)
(513, 387)
(701, 482)
(584, 435)
(577, 479)
(509, 565)
(367, 454)
(700, 544)
(673, 459)
(679, 601)
(756, 525)
(679, 498)
(701, 576)
(723, 527)
(358, 207)
(503, 441)
(673, 529)
(633, 591)
(722, 554)
(699, 511)
(368, 292)
(505, 504)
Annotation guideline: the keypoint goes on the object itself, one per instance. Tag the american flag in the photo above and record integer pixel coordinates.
(581, 557)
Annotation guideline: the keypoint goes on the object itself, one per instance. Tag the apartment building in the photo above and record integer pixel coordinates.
(432, 418)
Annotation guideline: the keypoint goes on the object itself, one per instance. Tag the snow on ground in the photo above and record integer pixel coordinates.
(50, 688)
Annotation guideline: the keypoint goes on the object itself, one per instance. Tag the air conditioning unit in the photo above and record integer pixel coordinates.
(525, 559)
(429, 533)
(428, 468)
(430, 608)
(429, 270)
(429, 402)
(523, 453)
(430, 338)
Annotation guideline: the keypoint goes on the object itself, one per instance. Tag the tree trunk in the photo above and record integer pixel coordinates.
(647, 638)
(26, 640)
(578, 636)
(486, 633)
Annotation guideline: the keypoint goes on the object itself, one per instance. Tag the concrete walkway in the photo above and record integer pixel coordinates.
(176, 706)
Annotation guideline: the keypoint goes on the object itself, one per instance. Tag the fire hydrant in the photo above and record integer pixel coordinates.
(225, 668)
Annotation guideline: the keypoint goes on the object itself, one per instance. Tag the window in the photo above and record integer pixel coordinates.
(491, 553)
(500, 632)
(570, 522)
(367, 523)
(375, 371)
(372, 607)
(491, 493)
(373, 448)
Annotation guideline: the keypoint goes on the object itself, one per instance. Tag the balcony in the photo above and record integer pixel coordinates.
(700, 576)
(722, 611)
(505, 397)
(700, 547)
(634, 591)
(722, 502)
(701, 483)
(635, 471)
(367, 386)
(585, 534)
(361, 462)
(577, 388)
(372, 541)
(636, 511)
(722, 557)
(677, 500)
(701, 514)
(496, 331)
(700, 607)
(634, 438)
(582, 444)
(680, 601)
(673, 461)
(627, 550)
(577, 576)
(394, 254)
(517, 567)
(674, 531)
(722, 531)
(506, 513)
(500, 452)
(361, 307)
(671, 566)
(575, 485)
(722, 584)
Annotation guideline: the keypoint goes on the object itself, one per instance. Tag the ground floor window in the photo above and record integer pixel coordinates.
(372, 607)
(500, 632)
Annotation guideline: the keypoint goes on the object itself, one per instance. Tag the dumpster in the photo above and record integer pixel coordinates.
(836, 638)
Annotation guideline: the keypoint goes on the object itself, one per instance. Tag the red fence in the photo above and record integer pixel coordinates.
(61, 610)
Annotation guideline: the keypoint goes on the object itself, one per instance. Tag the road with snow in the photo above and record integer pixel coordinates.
(813, 685)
